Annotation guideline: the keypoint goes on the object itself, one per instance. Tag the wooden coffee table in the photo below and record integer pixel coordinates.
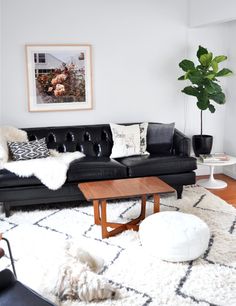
(101, 191)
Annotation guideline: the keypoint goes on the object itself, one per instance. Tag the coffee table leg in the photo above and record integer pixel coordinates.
(156, 198)
(143, 208)
(118, 227)
(105, 233)
(97, 219)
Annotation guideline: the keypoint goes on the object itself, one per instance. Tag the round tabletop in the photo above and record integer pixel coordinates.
(231, 161)
(211, 182)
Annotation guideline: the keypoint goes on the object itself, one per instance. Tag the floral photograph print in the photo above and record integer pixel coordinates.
(59, 77)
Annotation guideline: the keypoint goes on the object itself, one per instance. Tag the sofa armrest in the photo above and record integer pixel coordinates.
(181, 144)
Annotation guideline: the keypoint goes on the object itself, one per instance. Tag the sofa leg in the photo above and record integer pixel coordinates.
(6, 208)
(179, 190)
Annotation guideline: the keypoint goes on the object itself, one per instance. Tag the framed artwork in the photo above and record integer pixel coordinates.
(59, 77)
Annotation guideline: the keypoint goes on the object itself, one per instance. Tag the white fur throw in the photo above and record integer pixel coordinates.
(9, 133)
(51, 171)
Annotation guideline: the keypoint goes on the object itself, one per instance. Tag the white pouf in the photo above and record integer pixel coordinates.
(174, 236)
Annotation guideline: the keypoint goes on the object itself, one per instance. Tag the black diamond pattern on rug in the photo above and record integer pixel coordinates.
(38, 239)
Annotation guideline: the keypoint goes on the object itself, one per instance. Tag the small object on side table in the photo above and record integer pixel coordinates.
(211, 182)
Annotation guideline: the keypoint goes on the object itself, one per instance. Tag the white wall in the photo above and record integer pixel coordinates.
(0, 62)
(215, 39)
(204, 12)
(216, 35)
(137, 45)
(230, 119)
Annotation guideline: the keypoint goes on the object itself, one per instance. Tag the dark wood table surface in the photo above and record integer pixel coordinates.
(101, 191)
(129, 187)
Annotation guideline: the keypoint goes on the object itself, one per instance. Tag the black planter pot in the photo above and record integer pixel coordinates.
(202, 144)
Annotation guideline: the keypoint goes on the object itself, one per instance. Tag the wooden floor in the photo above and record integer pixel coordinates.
(229, 193)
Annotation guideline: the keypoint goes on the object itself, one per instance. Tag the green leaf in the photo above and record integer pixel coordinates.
(211, 108)
(203, 101)
(191, 91)
(214, 65)
(218, 97)
(212, 87)
(196, 77)
(210, 76)
(216, 86)
(220, 58)
(209, 89)
(186, 65)
(181, 77)
(186, 75)
(201, 51)
(224, 72)
(206, 59)
(201, 68)
(201, 105)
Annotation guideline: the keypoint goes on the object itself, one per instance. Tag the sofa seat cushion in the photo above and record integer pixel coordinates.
(85, 169)
(95, 168)
(158, 165)
(9, 179)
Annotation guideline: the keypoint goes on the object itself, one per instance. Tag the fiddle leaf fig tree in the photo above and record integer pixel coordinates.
(204, 80)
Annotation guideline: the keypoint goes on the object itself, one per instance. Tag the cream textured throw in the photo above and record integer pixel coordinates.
(9, 133)
(51, 171)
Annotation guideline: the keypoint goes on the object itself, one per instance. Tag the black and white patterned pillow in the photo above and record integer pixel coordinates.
(29, 150)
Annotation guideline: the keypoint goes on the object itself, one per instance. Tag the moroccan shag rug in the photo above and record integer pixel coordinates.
(38, 240)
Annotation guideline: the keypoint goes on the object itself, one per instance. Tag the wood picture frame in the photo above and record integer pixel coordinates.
(59, 77)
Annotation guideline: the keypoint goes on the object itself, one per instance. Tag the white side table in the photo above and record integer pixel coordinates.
(211, 182)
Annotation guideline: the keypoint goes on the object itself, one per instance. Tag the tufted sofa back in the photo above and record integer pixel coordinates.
(92, 140)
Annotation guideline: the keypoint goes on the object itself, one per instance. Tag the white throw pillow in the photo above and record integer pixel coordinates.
(143, 138)
(9, 133)
(3, 148)
(126, 140)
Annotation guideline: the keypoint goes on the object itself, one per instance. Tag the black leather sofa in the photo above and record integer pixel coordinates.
(95, 141)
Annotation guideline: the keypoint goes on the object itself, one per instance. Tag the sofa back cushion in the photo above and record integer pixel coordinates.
(160, 138)
(92, 140)
(96, 140)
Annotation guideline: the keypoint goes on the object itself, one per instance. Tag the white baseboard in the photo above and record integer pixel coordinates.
(230, 171)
